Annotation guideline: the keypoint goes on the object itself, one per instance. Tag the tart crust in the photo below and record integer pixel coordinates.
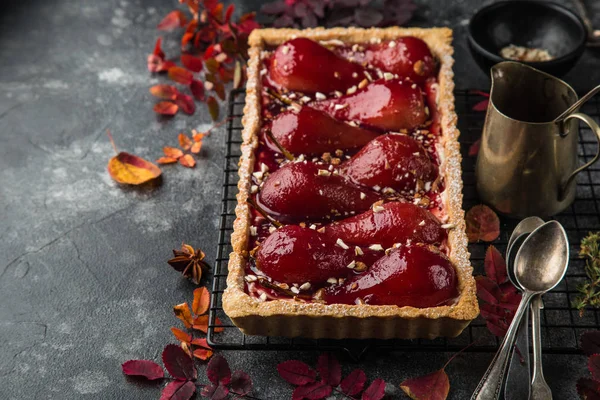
(340, 321)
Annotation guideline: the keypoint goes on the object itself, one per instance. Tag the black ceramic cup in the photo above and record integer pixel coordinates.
(536, 24)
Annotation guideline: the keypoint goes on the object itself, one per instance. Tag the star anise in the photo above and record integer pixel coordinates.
(189, 262)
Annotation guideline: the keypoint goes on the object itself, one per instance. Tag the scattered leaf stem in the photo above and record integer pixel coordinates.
(282, 149)
(262, 212)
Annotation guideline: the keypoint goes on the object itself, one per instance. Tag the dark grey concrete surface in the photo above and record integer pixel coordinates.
(84, 284)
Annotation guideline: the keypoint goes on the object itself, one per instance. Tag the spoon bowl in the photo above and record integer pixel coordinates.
(517, 237)
(543, 258)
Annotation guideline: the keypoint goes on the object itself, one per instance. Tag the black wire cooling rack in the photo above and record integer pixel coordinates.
(561, 323)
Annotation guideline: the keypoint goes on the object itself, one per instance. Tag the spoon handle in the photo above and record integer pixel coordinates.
(539, 388)
(490, 386)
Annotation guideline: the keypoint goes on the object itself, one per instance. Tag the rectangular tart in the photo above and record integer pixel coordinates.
(291, 318)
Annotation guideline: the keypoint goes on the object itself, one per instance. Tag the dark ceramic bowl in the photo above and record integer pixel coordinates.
(536, 24)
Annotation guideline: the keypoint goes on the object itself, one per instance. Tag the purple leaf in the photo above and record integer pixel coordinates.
(218, 370)
(215, 392)
(283, 22)
(148, 369)
(178, 363)
(367, 17)
(329, 369)
(276, 7)
(309, 21)
(240, 383)
(296, 372)
(178, 390)
(590, 342)
(301, 9)
(312, 391)
(375, 391)
(354, 383)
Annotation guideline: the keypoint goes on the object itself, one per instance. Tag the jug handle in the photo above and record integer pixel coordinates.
(596, 129)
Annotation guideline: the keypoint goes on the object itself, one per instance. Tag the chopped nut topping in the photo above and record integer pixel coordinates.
(284, 286)
(360, 266)
(376, 247)
(319, 294)
(354, 286)
(305, 99)
(448, 226)
(250, 278)
(258, 175)
(332, 281)
(419, 68)
(387, 76)
(337, 93)
(335, 161)
(363, 83)
(338, 107)
(359, 301)
(305, 286)
(351, 90)
(272, 229)
(341, 243)
(313, 227)
(339, 152)
(323, 172)
(321, 230)
(336, 74)
(351, 265)
(358, 251)
(368, 75)
(263, 296)
(253, 189)
(422, 223)
(377, 188)
(253, 231)
(363, 196)
(320, 96)
(378, 208)
(295, 290)
(285, 49)
(326, 157)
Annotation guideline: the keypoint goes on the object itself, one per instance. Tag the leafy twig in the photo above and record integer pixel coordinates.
(589, 292)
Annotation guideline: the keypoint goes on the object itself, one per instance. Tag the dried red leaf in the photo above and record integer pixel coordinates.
(487, 289)
(197, 88)
(201, 342)
(201, 324)
(172, 152)
(182, 311)
(181, 335)
(588, 389)
(196, 147)
(213, 108)
(178, 390)
(166, 108)
(296, 372)
(166, 160)
(172, 20)
(178, 363)
(186, 103)
(240, 384)
(166, 92)
(482, 224)
(191, 62)
(201, 301)
(495, 266)
(215, 392)
(203, 354)
(187, 161)
(434, 386)
(218, 371)
(590, 342)
(354, 383)
(146, 368)
(375, 391)
(474, 148)
(329, 369)
(481, 106)
(185, 143)
(312, 391)
(229, 13)
(594, 366)
(180, 75)
(158, 49)
(132, 170)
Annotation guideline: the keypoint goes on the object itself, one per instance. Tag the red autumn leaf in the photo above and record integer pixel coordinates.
(158, 49)
(166, 108)
(354, 383)
(166, 160)
(166, 92)
(181, 335)
(487, 290)
(296, 372)
(434, 386)
(588, 389)
(178, 390)
(185, 143)
(191, 62)
(590, 342)
(186, 103)
(480, 93)
(594, 366)
(218, 371)
(215, 392)
(240, 384)
(197, 88)
(375, 391)
(201, 301)
(182, 311)
(312, 391)
(201, 324)
(481, 106)
(146, 368)
(203, 354)
(132, 170)
(172, 152)
(180, 75)
(213, 108)
(157, 64)
(178, 363)
(172, 20)
(229, 13)
(495, 266)
(474, 148)
(329, 369)
(482, 224)
(187, 161)
(201, 342)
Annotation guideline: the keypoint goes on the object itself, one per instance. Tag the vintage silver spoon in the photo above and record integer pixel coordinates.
(540, 265)
(518, 378)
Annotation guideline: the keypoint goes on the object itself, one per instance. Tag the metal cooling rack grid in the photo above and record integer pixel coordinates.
(561, 324)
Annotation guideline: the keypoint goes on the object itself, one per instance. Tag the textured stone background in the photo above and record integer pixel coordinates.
(83, 281)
